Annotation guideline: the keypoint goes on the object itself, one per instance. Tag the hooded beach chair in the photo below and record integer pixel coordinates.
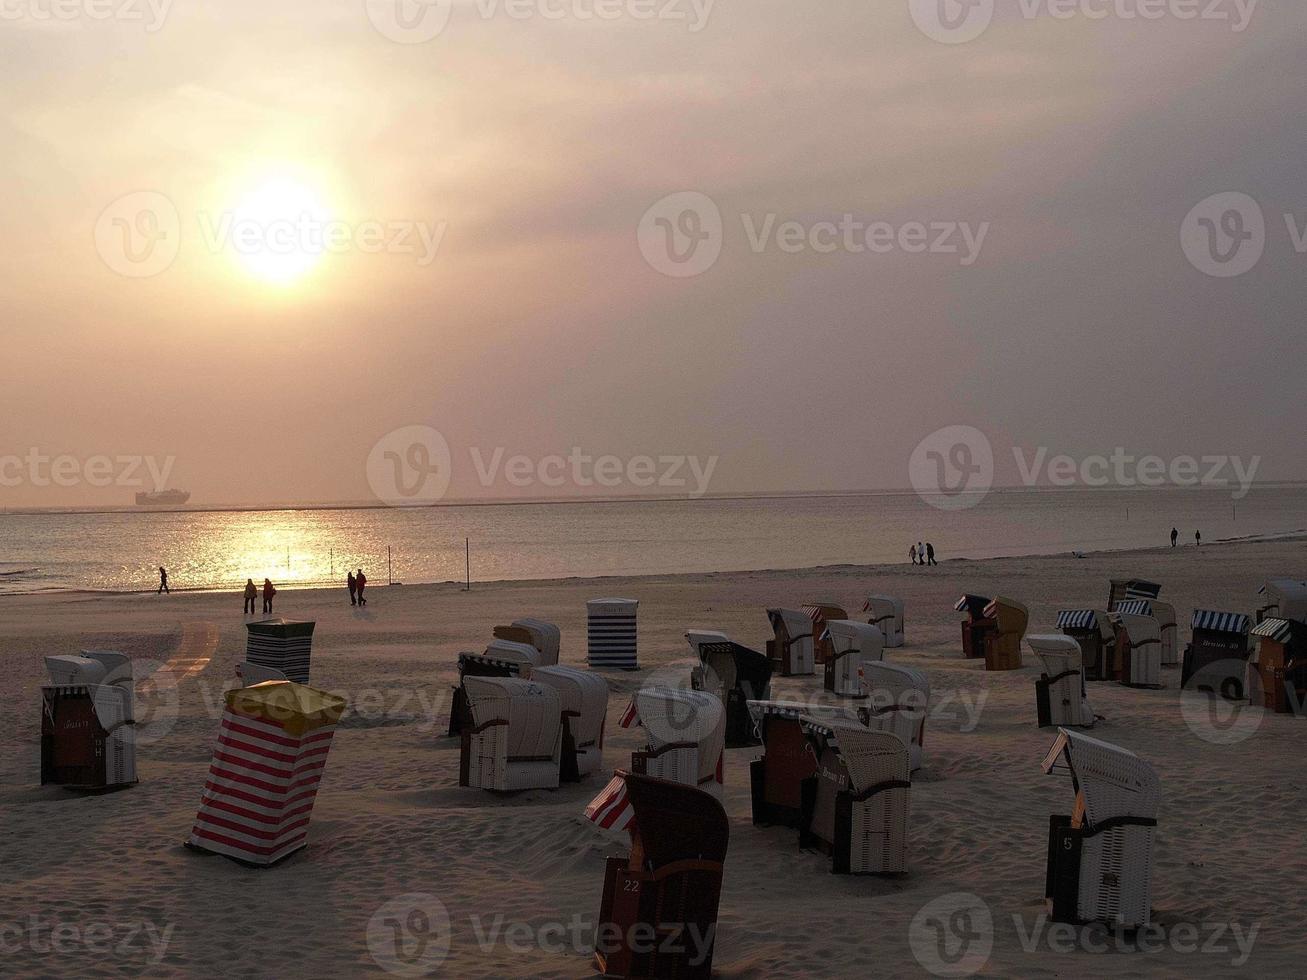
(282, 644)
(583, 705)
(516, 738)
(1216, 660)
(1168, 628)
(686, 736)
(503, 658)
(736, 675)
(886, 613)
(1060, 694)
(545, 637)
(272, 750)
(1003, 644)
(1093, 630)
(658, 914)
(611, 634)
(976, 625)
(855, 808)
(1283, 598)
(898, 701)
(1100, 859)
(1123, 589)
(820, 614)
(790, 649)
(776, 779)
(852, 644)
(1277, 670)
(1138, 649)
(88, 718)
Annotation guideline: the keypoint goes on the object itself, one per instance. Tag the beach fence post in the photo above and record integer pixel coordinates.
(467, 559)
(331, 553)
(390, 566)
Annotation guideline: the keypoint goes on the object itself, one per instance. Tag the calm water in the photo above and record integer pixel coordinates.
(219, 550)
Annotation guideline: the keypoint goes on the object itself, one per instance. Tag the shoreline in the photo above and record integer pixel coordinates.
(309, 590)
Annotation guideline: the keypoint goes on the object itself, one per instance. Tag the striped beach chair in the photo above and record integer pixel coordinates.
(611, 634)
(272, 749)
(1216, 660)
(281, 644)
(1092, 629)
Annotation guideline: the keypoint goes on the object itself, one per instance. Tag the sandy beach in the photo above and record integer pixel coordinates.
(101, 886)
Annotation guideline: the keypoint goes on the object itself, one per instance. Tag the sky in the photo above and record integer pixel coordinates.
(560, 236)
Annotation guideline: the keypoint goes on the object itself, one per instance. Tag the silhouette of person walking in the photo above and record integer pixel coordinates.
(912, 553)
(269, 590)
(353, 588)
(1175, 536)
(1198, 539)
(251, 593)
(361, 580)
(930, 554)
(163, 581)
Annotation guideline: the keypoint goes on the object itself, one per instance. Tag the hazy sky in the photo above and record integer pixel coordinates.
(534, 147)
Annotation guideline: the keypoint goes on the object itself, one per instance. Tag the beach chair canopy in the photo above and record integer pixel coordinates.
(674, 716)
(531, 710)
(697, 638)
(1288, 632)
(1220, 622)
(1139, 629)
(514, 652)
(738, 667)
(1086, 619)
(1055, 645)
(1114, 782)
(795, 710)
(90, 668)
(1011, 616)
(1285, 598)
(582, 695)
(1123, 589)
(790, 624)
(870, 757)
(545, 637)
(671, 821)
(972, 605)
(848, 634)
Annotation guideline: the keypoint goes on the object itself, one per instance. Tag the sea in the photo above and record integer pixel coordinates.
(315, 545)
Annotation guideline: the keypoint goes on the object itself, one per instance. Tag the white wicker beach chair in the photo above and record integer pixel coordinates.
(1141, 654)
(792, 644)
(1100, 860)
(852, 645)
(545, 637)
(1060, 693)
(88, 721)
(526, 653)
(516, 739)
(686, 733)
(583, 702)
(856, 807)
(898, 701)
(886, 613)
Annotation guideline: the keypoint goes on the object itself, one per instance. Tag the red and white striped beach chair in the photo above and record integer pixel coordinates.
(267, 766)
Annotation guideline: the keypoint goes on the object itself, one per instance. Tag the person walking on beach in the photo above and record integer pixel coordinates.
(163, 581)
(930, 554)
(921, 552)
(912, 553)
(269, 590)
(1198, 539)
(361, 581)
(1175, 536)
(353, 588)
(251, 593)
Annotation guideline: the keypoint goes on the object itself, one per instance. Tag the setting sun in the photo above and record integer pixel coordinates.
(277, 230)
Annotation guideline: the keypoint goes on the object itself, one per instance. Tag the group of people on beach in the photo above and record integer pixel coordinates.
(1175, 537)
(356, 584)
(922, 554)
(252, 593)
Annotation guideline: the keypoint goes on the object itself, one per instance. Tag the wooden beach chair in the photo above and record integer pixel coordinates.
(1003, 644)
(1277, 670)
(776, 779)
(282, 644)
(976, 625)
